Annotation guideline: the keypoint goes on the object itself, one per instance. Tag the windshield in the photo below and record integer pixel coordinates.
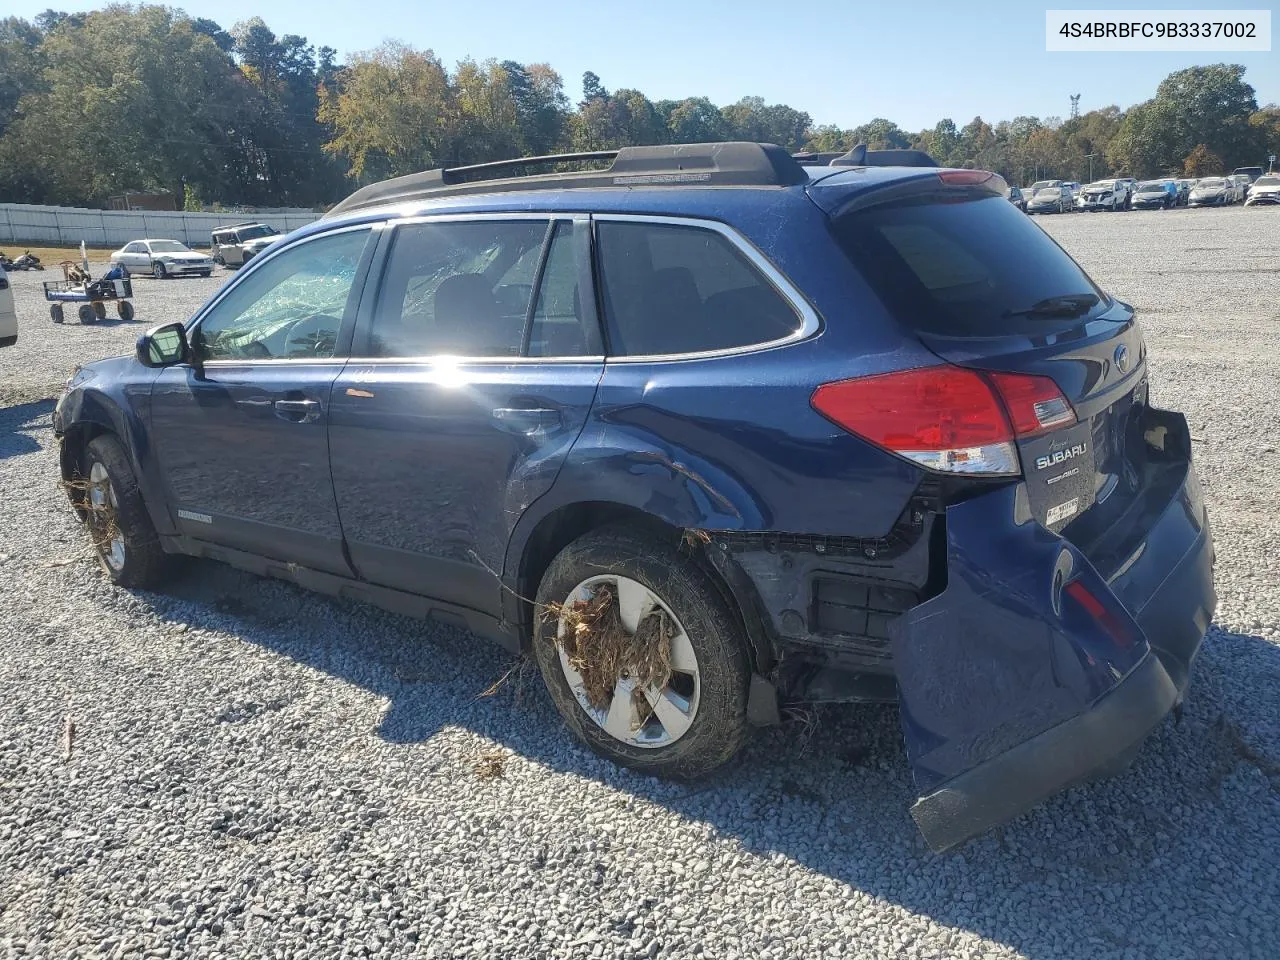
(1212, 183)
(1267, 182)
(922, 258)
(1150, 186)
(169, 246)
(1041, 184)
(1102, 185)
(254, 232)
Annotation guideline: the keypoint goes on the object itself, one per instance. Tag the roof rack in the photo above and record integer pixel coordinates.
(699, 164)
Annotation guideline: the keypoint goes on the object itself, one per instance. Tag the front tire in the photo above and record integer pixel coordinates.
(698, 720)
(123, 537)
(161, 272)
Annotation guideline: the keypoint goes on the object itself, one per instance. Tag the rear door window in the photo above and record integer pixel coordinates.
(972, 268)
(466, 289)
(674, 289)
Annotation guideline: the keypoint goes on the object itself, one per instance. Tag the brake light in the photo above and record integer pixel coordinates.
(964, 178)
(943, 418)
(1035, 404)
(947, 418)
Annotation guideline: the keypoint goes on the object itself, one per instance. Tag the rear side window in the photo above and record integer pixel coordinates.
(973, 268)
(672, 289)
(457, 289)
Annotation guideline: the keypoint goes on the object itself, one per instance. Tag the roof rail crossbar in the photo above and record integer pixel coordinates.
(733, 163)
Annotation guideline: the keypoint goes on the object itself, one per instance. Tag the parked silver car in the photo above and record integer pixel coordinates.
(1213, 192)
(162, 259)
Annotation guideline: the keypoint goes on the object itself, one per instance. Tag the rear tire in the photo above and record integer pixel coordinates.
(56, 313)
(139, 560)
(99, 309)
(86, 314)
(718, 726)
(125, 309)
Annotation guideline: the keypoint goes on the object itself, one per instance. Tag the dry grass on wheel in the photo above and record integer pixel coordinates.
(602, 650)
(102, 522)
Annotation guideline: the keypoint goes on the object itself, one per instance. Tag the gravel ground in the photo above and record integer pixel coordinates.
(255, 771)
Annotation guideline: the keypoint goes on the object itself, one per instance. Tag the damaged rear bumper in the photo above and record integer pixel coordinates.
(1033, 671)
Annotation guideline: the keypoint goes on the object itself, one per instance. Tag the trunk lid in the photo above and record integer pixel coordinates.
(1100, 366)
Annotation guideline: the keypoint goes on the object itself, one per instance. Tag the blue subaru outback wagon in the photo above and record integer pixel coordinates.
(820, 428)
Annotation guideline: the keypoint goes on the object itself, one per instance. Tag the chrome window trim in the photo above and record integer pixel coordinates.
(810, 323)
(450, 360)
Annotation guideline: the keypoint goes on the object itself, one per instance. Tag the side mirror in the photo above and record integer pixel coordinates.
(163, 346)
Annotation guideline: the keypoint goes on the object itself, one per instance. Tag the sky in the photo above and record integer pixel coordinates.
(843, 63)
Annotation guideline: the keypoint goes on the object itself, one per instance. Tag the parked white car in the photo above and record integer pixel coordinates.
(162, 258)
(1106, 195)
(1266, 189)
(8, 316)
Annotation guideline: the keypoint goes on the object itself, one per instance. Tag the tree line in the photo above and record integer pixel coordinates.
(146, 98)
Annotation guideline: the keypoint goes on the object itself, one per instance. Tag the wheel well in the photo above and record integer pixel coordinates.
(561, 527)
(71, 454)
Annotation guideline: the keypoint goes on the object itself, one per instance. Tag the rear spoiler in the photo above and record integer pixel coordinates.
(860, 156)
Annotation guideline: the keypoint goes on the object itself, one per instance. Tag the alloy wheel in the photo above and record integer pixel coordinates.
(640, 716)
(105, 509)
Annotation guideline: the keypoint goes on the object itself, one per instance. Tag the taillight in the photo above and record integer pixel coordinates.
(1035, 404)
(964, 178)
(947, 418)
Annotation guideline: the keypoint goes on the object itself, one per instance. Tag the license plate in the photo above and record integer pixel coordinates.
(1062, 511)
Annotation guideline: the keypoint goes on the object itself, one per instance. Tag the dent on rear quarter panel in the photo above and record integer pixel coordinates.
(998, 657)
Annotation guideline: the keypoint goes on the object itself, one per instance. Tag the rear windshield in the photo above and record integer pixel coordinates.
(1266, 181)
(975, 268)
(1212, 182)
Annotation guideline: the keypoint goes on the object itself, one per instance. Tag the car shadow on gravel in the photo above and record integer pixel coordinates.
(17, 424)
(1111, 865)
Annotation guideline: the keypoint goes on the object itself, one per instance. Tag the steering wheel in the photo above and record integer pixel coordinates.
(306, 337)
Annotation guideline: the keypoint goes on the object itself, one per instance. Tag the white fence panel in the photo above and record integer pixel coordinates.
(68, 226)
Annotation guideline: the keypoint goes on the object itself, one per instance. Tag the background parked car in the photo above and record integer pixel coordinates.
(1051, 200)
(1106, 195)
(162, 259)
(8, 317)
(1242, 182)
(1155, 194)
(1185, 186)
(1265, 190)
(1017, 198)
(1253, 173)
(1212, 192)
(234, 245)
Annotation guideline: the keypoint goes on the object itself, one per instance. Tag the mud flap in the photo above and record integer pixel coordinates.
(1025, 638)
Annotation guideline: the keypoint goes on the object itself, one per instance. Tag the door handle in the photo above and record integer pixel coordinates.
(298, 411)
(526, 420)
